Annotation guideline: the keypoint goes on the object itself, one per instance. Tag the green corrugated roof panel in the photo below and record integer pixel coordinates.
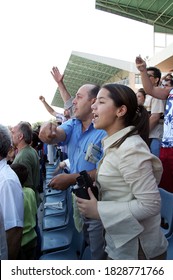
(80, 71)
(158, 13)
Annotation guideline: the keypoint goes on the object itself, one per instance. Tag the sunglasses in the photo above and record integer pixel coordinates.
(149, 75)
(168, 80)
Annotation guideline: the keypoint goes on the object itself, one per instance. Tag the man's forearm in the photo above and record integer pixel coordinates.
(51, 134)
(157, 92)
(14, 238)
(146, 82)
(73, 176)
(48, 108)
(65, 95)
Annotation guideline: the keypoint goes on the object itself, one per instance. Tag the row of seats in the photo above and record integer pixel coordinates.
(167, 219)
(59, 238)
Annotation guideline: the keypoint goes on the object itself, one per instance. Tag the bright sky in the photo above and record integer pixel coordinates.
(39, 34)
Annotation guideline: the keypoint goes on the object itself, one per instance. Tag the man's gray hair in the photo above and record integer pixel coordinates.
(5, 141)
(26, 129)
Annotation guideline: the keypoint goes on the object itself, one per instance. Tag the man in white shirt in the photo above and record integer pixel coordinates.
(3, 241)
(156, 108)
(11, 198)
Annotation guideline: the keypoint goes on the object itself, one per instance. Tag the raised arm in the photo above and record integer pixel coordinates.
(157, 92)
(58, 77)
(47, 106)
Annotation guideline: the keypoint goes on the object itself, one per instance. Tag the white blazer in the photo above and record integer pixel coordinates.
(129, 205)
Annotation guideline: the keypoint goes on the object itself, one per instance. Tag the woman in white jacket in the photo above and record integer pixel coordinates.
(127, 178)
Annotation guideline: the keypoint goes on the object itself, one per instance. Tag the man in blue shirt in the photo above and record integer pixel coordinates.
(78, 133)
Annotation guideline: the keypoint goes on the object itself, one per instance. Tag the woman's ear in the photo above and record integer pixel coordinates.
(121, 111)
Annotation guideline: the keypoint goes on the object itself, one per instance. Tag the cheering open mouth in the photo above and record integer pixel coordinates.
(95, 117)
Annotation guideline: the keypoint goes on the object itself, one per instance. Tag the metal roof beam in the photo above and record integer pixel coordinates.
(155, 12)
(162, 14)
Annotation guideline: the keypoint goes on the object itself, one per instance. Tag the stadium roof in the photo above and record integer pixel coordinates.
(158, 13)
(83, 68)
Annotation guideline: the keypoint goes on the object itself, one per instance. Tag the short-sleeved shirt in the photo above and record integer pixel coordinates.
(3, 241)
(11, 197)
(29, 157)
(155, 106)
(30, 211)
(77, 143)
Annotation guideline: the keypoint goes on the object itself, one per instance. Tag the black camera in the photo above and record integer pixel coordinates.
(83, 182)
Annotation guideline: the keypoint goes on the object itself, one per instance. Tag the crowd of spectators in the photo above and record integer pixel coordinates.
(122, 139)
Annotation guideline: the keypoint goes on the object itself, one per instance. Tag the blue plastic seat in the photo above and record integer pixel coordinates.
(50, 191)
(56, 196)
(55, 221)
(49, 176)
(73, 252)
(166, 212)
(57, 239)
(50, 167)
(51, 170)
(55, 204)
(52, 202)
(66, 254)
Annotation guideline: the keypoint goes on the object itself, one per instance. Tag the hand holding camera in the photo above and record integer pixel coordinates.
(83, 182)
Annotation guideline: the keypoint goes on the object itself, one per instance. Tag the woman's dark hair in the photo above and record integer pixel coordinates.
(136, 115)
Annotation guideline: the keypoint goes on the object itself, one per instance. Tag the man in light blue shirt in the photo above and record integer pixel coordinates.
(77, 142)
(78, 133)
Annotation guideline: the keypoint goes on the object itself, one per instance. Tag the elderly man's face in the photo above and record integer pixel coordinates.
(16, 135)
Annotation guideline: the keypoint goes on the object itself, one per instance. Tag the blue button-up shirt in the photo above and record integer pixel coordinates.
(77, 143)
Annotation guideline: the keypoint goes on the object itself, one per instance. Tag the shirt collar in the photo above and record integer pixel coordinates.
(3, 162)
(89, 127)
(109, 140)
